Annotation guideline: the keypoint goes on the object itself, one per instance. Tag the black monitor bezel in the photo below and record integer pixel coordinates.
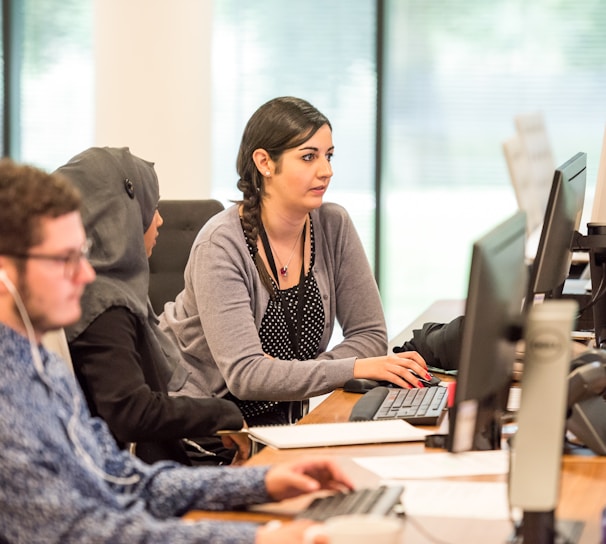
(551, 265)
(493, 312)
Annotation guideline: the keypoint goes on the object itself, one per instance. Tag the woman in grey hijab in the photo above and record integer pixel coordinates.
(124, 363)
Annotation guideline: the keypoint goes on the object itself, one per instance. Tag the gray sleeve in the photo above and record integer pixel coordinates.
(343, 271)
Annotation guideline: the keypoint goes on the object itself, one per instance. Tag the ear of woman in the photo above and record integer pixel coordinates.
(262, 161)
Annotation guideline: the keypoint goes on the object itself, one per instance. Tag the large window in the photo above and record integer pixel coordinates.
(456, 73)
(52, 100)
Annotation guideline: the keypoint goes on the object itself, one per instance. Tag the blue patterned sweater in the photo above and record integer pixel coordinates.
(63, 478)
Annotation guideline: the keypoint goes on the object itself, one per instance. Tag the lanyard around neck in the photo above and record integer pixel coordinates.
(293, 332)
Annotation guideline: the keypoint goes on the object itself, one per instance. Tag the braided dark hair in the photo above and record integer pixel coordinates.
(280, 124)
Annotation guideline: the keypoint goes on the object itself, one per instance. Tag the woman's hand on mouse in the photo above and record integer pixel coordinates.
(398, 368)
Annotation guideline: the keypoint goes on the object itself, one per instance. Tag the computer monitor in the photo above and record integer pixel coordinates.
(493, 310)
(552, 262)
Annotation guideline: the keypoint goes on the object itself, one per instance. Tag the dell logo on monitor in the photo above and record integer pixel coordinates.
(546, 344)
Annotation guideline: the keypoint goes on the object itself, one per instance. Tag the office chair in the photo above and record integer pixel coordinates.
(182, 221)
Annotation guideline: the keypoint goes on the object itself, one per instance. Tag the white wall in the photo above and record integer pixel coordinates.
(153, 65)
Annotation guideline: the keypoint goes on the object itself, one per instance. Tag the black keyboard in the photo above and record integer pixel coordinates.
(419, 406)
(380, 501)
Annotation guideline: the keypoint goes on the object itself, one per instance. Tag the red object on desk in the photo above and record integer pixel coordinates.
(452, 387)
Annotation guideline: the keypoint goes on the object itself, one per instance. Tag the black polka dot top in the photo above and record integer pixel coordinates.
(275, 338)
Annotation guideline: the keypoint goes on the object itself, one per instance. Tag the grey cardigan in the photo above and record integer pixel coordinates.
(216, 318)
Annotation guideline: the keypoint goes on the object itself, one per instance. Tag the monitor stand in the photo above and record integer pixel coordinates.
(542, 528)
(535, 470)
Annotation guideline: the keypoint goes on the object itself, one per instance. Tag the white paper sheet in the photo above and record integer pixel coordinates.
(437, 465)
(447, 498)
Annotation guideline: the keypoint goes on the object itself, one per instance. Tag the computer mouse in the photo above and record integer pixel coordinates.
(427, 383)
(360, 385)
(433, 381)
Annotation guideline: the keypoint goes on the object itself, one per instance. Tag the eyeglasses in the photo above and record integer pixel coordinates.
(71, 261)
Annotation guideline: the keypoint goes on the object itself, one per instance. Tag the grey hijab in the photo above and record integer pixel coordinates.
(120, 194)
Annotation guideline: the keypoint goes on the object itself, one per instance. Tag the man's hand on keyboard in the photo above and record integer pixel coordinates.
(287, 480)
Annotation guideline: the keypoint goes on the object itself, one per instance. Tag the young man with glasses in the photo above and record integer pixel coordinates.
(62, 476)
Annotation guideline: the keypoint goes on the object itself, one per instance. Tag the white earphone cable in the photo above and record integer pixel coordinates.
(71, 426)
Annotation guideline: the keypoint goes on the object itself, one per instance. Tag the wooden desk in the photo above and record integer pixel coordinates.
(583, 486)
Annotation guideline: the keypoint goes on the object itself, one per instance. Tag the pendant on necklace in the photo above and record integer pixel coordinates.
(284, 271)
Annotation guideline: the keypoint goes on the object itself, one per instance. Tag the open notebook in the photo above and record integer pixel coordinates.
(336, 434)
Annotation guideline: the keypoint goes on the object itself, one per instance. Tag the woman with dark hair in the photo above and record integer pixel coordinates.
(268, 277)
(125, 364)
